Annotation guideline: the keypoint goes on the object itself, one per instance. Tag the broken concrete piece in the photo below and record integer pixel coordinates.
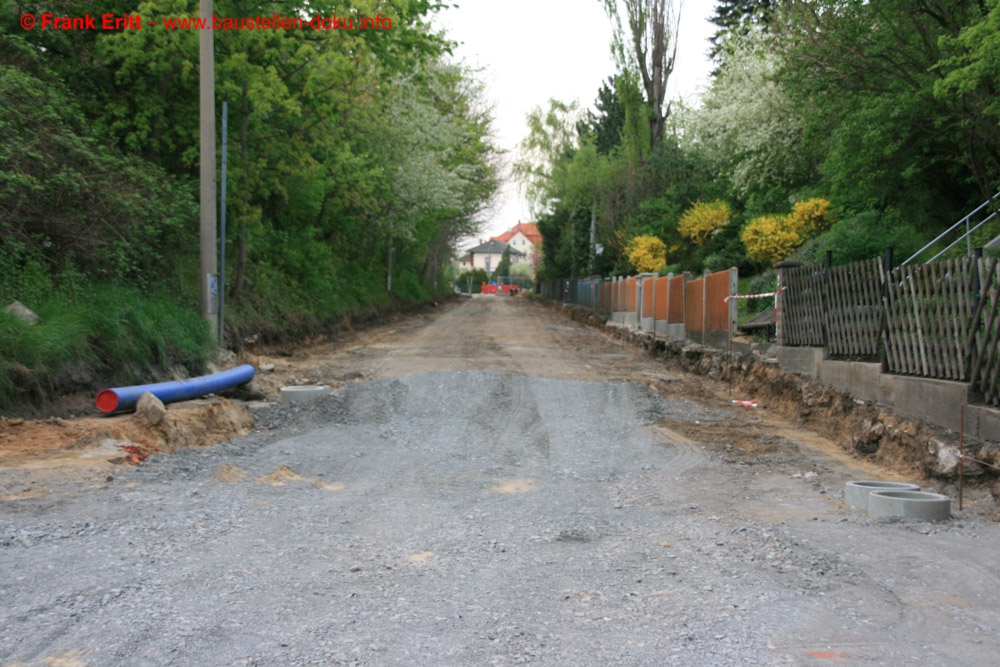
(20, 310)
(150, 410)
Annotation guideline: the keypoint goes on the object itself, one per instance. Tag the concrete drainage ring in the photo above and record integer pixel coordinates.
(303, 393)
(919, 505)
(856, 493)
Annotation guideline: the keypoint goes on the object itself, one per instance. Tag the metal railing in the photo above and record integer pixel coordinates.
(967, 236)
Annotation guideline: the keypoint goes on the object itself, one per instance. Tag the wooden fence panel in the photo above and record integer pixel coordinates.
(693, 311)
(801, 310)
(676, 299)
(716, 306)
(647, 297)
(630, 282)
(984, 332)
(660, 307)
(853, 300)
(929, 314)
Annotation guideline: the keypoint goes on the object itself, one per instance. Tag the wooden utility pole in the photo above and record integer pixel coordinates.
(206, 86)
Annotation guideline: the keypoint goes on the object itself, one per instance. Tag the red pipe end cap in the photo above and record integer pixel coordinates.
(107, 401)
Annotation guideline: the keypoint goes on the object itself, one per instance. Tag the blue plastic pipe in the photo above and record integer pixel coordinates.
(123, 398)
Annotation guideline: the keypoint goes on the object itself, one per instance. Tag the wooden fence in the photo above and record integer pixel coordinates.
(801, 306)
(937, 320)
(929, 311)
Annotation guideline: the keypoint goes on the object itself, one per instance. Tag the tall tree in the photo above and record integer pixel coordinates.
(649, 48)
(748, 124)
(866, 74)
(609, 121)
(736, 18)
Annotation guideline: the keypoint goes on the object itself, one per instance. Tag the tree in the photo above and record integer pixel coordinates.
(651, 50)
(68, 202)
(503, 268)
(971, 67)
(736, 18)
(748, 124)
(866, 73)
(544, 153)
(607, 125)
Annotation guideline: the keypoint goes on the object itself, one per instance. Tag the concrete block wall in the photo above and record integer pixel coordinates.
(939, 402)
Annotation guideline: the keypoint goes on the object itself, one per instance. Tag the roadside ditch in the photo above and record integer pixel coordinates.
(865, 429)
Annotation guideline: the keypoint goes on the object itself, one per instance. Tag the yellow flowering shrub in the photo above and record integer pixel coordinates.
(699, 221)
(810, 217)
(769, 239)
(646, 253)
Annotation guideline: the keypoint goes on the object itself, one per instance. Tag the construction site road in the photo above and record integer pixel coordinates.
(498, 485)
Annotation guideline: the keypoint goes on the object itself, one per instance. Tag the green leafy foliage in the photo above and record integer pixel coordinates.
(477, 277)
(356, 160)
(864, 236)
(503, 268)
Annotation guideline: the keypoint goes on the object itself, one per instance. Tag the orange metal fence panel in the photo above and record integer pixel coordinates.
(647, 297)
(716, 306)
(693, 311)
(660, 307)
(631, 294)
(675, 308)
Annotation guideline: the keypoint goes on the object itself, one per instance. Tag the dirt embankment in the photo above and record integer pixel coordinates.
(874, 432)
(69, 434)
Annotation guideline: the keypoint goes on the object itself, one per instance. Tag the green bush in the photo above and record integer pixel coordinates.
(479, 276)
(864, 236)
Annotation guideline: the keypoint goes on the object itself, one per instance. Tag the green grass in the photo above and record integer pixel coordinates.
(115, 334)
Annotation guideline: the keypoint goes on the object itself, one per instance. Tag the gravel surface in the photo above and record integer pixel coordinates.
(485, 518)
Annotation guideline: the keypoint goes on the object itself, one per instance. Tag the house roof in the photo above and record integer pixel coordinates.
(493, 247)
(529, 229)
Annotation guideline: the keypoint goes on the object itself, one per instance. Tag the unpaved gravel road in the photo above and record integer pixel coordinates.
(504, 487)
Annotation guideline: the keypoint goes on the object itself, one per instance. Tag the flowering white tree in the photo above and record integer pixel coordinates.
(748, 123)
(436, 163)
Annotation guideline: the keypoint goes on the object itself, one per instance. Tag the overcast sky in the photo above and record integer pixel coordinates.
(533, 50)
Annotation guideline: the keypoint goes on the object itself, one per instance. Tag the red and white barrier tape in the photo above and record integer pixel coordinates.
(752, 296)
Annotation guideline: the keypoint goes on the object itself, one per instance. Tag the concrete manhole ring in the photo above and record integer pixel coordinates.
(856, 493)
(303, 393)
(919, 505)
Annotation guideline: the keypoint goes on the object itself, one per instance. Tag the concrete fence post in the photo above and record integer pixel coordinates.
(734, 289)
(704, 305)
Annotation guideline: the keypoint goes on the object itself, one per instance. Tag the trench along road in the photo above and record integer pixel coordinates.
(499, 485)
